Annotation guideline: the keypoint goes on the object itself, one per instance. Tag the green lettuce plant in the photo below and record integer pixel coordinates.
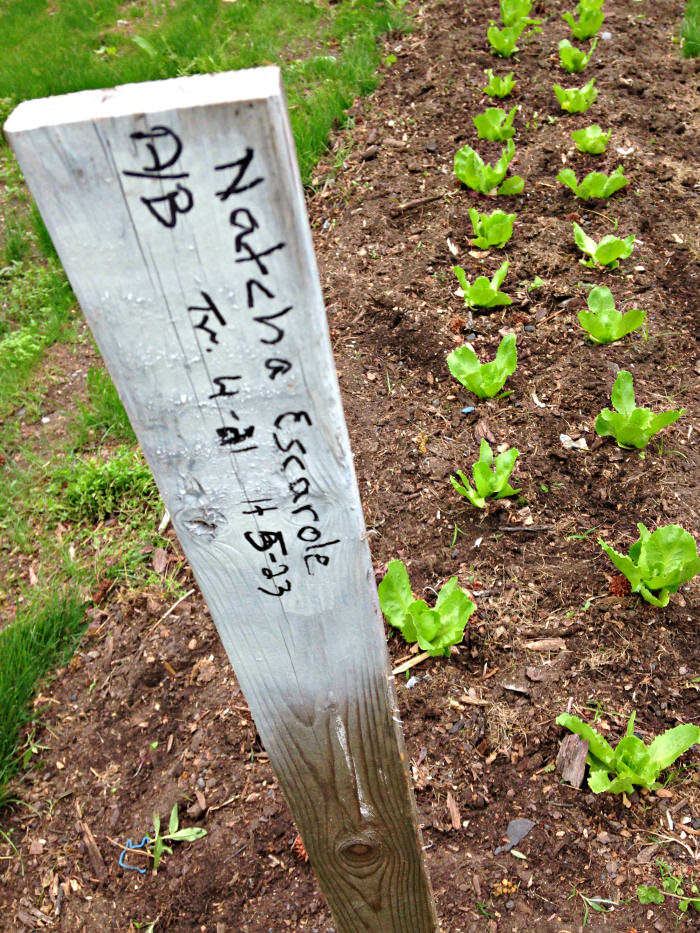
(572, 59)
(607, 252)
(592, 139)
(483, 292)
(495, 124)
(434, 629)
(631, 762)
(502, 41)
(603, 322)
(471, 169)
(576, 100)
(484, 379)
(493, 229)
(499, 87)
(490, 476)
(629, 425)
(658, 563)
(595, 184)
(588, 23)
(513, 11)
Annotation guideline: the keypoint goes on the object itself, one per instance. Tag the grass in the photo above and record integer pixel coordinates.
(690, 30)
(81, 509)
(43, 636)
(104, 416)
(328, 51)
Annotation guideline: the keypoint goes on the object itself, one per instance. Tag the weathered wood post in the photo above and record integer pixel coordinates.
(178, 213)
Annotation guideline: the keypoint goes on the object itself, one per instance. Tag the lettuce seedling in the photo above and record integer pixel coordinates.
(603, 322)
(499, 87)
(658, 563)
(591, 139)
(606, 253)
(629, 425)
(576, 100)
(513, 11)
(490, 476)
(595, 184)
(572, 59)
(495, 124)
(632, 763)
(493, 229)
(434, 629)
(503, 40)
(471, 169)
(484, 379)
(483, 293)
(588, 24)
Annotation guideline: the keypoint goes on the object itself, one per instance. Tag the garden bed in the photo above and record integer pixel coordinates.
(390, 220)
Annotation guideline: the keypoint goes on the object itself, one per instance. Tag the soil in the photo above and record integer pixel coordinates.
(550, 634)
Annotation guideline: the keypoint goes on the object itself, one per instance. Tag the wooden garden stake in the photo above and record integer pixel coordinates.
(178, 213)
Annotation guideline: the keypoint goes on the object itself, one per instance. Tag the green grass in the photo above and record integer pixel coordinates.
(328, 51)
(42, 637)
(690, 31)
(92, 489)
(104, 416)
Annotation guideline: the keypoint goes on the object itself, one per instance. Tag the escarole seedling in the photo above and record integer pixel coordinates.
(595, 184)
(490, 476)
(658, 563)
(434, 629)
(483, 292)
(607, 252)
(495, 124)
(629, 425)
(499, 87)
(576, 100)
(493, 229)
(603, 322)
(472, 171)
(572, 59)
(484, 379)
(592, 139)
(513, 11)
(590, 19)
(503, 41)
(632, 763)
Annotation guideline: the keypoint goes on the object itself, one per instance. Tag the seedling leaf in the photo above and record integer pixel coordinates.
(484, 379)
(512, 11)
(595, 184)
(631, 763)
(572, 59)
(589, 22)
(435, 629)
(603, 322)
(499, 87)
(658, 562)
(576, 100)
(629, 425)
(592, 139)
(495, 124)
(483, 293)
(471, 169)
(493, 229)
(607, 252)
(490, 476)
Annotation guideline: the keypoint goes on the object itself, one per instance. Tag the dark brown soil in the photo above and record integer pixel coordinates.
(549, 633)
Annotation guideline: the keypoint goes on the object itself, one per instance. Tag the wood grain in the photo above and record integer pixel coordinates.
(178, 213)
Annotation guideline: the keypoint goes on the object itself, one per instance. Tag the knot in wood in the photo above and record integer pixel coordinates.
(203, 523)
(360, 853)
